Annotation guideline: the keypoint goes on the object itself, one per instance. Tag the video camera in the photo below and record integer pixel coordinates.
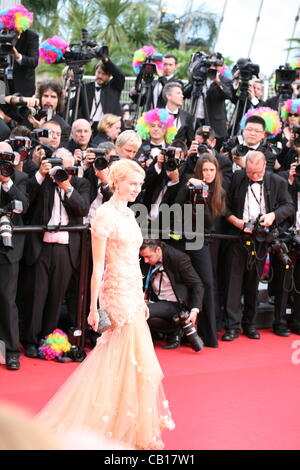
(8, 40)
(82, 52)
(246, 69)
(6, 228)
(200, 67)
(284, 77)
(148, 68)
(171, 161)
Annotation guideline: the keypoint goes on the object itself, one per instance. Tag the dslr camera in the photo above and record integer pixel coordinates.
(6, 228)
(171, 160)
(182, 319)
(60, 174)
(8, 160)
(101, 161)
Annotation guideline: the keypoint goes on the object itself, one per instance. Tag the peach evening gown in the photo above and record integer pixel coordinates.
(117, 390)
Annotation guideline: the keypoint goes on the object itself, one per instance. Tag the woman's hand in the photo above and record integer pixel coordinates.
(93, 319)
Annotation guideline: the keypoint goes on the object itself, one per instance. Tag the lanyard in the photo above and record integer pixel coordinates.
(259, 202)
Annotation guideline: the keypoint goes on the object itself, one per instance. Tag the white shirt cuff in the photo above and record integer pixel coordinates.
(6, 186)
(40, 178)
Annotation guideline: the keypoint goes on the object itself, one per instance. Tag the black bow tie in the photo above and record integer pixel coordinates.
(153, 146)
(97, 88)
(261, 182)
(163, 80)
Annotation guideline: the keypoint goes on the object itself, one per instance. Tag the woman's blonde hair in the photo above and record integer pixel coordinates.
(121, 170)
(107, 120)
(129, 137)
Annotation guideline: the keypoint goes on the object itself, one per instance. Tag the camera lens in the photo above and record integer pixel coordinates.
(101, 163)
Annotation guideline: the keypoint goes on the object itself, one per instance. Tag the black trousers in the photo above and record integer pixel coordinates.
(286, 282)
(47, 282)
(207, 325)
(243, 279)
(161, 316)
(9, 318)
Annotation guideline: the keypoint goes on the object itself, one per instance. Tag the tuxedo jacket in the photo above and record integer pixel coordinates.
(186, 130)
(276, 194)
(147, 99)
(16, 192)
(24, 73)
(41, 198)
(215, 104)
(186, 284)
(110, 92)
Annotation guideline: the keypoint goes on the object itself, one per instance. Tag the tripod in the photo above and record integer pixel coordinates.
(143, 88)
(197, 92)
(77, 94)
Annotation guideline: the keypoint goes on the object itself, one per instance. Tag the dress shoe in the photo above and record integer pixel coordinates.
(281, 332)
(31, 351)
(251, 333)
(12, 363)
(230, 335)
(173, 341)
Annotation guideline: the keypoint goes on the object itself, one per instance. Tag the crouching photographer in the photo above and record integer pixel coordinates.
(58, 197)
(13, 201)
(170, 283)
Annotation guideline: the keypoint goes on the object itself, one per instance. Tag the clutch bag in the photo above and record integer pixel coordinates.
(104, 321)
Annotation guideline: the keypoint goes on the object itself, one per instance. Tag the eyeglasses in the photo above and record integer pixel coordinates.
(255, 131)
(293, 114)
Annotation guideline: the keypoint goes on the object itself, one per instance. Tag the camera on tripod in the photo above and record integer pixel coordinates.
(82, 52)
(172, 161)
(246, 70)
(148, 68)
(284, 77)
(6, 227)
(190, 332)
(200, 66)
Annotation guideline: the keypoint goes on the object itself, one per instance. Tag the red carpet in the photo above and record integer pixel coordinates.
(243, 395)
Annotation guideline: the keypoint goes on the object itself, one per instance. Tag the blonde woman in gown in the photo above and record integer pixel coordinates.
(117, 390)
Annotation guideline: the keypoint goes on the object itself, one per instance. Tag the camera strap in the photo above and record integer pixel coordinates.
(259, 201)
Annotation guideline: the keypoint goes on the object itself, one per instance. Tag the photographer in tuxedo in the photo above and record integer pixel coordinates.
(12, 188)
(173, 96)
(165, 76)
(51, 257)
(171, 281)
(257, 200)
(104, 93)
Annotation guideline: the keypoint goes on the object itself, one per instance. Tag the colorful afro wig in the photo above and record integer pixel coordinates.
(289, 106)
(165, 119)
(271, 118)
(16, 19)
(51, 50)
(140, 56)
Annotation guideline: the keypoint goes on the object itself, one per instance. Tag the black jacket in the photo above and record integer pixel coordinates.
(277, 197)
(24, 73)
(16, 192)
(186, 284)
